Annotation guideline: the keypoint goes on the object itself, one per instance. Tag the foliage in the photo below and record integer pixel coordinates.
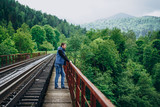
(46, 46)
(156, 76)
(118, 39)
(10, 29)
(50, 34)
(124, 68)
(136, 86)
(7, 47)
(23, 41)
(62, 39)
(38, 34)
(56, 40)
(3, 34)
(73, 47)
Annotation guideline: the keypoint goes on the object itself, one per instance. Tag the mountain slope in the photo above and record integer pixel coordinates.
(140, 25)
(120, 16)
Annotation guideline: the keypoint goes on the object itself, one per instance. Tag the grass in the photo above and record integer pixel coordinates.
(49, 52)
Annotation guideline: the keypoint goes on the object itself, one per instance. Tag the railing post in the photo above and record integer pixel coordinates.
(77, 90)
(92, 100)
(1, 61)
(71, 81)
(12, 59)
(9, 59)
(6, 60)
(16, 58)
(83, 94)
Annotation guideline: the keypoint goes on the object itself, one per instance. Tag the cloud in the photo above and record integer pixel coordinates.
(83, 11)
(154, 13)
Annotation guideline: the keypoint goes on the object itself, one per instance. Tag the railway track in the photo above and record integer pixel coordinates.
(26, 86)
(10, 68)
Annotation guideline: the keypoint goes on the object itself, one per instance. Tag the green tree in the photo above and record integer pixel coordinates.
(25, 28)
(102, 54)
(118, 39)
(156, 76)
(3, 34)
(10, 29)
(131, 49)
(57, 34)
(38, 34)
(63, 39)
(130, 35)
(104, 82)
(150, 57)
(140, 50)
(135, 87)
(50, 34)
(46, 46)
(92, 34)
(156, 44)
(23, 41)
(74, 44)
(7, 47)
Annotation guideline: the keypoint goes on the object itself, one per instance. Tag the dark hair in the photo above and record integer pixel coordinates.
(62, 44)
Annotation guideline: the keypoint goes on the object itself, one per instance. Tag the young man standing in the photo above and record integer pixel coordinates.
(61, 59)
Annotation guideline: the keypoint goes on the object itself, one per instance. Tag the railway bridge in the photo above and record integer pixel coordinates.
(27, 80)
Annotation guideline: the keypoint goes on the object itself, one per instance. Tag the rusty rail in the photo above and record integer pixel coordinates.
(13, 58)
(78, 84)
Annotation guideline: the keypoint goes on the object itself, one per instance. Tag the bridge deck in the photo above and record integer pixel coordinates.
(57, 97)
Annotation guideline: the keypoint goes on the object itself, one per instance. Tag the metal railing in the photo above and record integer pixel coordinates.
(13, 58)
(83, 92)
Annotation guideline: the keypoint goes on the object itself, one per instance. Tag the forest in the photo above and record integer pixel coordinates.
(126, 69)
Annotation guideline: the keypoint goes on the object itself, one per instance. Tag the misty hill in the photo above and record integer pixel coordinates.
(140, 25)
(12, 10)
(120, 16)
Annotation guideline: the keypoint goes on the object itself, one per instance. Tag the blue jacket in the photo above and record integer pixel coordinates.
(59, 60)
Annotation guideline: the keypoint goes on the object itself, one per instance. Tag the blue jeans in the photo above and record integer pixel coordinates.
(59, 71)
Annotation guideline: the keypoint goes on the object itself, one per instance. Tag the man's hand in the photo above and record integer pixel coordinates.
(70, 61)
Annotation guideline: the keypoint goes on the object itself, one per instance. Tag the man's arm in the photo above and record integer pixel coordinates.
(62, 55)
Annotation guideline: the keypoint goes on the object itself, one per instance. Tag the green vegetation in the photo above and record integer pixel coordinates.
(126, 70)
(49, 52)
(26, 40)
(140, 25)
(23, 29)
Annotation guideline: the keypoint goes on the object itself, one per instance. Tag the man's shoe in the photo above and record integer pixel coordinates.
(57, 88)
(64, 87)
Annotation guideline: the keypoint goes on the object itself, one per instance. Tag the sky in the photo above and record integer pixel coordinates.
(85, 11)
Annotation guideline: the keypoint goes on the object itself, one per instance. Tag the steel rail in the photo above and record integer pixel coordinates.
(28, 84)
(16, 65)
(12, 82)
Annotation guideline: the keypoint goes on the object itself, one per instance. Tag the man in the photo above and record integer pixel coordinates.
(61, 59)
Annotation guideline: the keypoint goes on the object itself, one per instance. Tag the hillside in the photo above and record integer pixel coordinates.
(140, 25)
(11, 10)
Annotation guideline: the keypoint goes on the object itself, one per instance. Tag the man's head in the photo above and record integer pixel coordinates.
(63, 45)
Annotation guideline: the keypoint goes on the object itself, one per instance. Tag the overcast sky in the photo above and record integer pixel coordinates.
(84, 11)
